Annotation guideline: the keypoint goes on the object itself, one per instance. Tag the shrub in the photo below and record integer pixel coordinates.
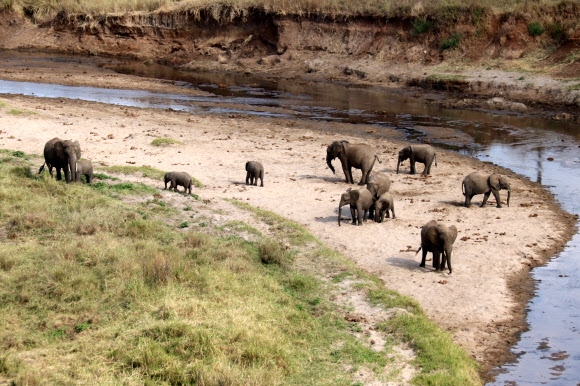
(421, 26)
(535, 28)
(451, 42)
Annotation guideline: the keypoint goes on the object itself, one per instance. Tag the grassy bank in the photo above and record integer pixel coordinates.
(227, 9)
(95, 290)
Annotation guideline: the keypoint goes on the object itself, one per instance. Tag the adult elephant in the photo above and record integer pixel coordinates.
(418, 153)
(437, 239)
(64, 155)
(358, 156)
(482, 183)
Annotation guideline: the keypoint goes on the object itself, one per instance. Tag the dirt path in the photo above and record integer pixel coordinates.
(480, 304)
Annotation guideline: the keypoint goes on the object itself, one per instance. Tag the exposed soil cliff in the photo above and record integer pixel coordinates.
(467, 52)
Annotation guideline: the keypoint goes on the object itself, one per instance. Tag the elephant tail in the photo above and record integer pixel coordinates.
(435, 158)
(41, 168)
(417, 249)
(377, 158)
(463, 188)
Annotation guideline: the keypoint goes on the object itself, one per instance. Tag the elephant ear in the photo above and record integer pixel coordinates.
(59, 149)
(354, 195)
(453, 233)
(493, 181)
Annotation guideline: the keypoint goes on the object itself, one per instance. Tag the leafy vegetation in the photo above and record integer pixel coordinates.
(97, 291)
(535, 28)
(451, 42)
(421, 26)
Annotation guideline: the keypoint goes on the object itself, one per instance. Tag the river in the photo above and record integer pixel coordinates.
(545, 151)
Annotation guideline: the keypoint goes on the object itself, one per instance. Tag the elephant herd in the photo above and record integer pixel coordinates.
(375, 200)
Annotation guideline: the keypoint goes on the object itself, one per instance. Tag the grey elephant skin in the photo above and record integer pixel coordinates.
(378, 184)
(84, 168)
(482, 183)
(382, 206)
(62, 155)
(360, 201)
(176, 179)
(359, 156)
(254, 170)
(438, 239)
(418, 153)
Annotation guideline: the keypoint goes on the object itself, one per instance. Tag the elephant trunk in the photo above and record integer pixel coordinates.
(329, 163)
(508, 198)
(72, 163)
(398, 163)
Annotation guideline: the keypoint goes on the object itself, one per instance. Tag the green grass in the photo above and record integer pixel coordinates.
(144, 171)
(164, 141)
(96, 291)
(574, 87)
(446, 77)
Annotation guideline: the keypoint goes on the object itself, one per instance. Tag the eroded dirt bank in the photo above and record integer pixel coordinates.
(495, 55)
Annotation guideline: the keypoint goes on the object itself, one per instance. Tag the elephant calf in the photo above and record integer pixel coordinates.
(84, 167)
(437, 239)
(418, 153)
(481, 183)
(178, 178)
(383, 205)
(360, 201)
(254, 170)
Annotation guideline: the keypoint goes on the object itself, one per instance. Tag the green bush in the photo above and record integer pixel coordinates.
(421, 26)
(451, 42)
(535, 28)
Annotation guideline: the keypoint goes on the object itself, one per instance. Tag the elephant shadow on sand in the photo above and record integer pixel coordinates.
(410, 264)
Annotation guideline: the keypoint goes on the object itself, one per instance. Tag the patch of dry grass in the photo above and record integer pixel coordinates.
(235, 9)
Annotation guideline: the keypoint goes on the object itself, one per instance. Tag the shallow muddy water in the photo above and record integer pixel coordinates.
(545, 151)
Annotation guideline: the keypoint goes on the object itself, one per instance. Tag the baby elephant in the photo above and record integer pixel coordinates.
(437, 239)
(84, 168)
(482, 183)
(383, 205)
(360, 201)
(178, 178)
(254, 171)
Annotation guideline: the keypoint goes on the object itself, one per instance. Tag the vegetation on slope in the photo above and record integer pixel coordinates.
(96, 290)
(222, 10)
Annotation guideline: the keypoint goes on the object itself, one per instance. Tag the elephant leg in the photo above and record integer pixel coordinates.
(365, 215)
(353, 215)
(247, 178)
(412, 162)
(424, 257)
(436, 259)
(468, 198)
(427, 169)
(58, 174)
(485, 197)
(350, 179)
(383, 215)
(360, 215)
(496, 195)
(393, 212)
(443, 261)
